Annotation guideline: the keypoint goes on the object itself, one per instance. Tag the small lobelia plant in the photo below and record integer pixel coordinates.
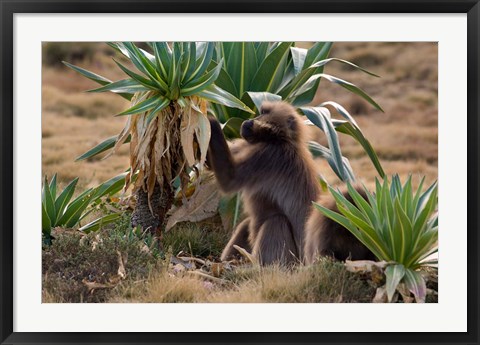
(61, 210)
(399, 225)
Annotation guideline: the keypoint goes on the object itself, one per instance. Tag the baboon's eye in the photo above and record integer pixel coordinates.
(264, 111)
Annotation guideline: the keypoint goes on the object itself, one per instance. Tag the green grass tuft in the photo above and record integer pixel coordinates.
(196, 239)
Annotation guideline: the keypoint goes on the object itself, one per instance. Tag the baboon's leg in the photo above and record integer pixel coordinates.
(239, 238)
(275, 243)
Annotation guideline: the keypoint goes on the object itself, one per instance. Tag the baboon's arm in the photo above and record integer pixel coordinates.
(233, 168)
(219, 157)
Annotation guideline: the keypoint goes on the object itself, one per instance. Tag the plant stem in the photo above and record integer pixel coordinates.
(161, 201)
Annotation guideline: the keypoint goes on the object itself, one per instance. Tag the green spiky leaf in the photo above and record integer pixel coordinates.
(99, 222)
(216, 95)
(394, 274)
(145, 105)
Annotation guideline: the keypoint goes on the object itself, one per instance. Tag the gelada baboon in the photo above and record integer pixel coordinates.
(324, 237)
(274, 171)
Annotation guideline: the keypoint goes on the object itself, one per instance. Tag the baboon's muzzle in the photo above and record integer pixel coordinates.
(247, 129)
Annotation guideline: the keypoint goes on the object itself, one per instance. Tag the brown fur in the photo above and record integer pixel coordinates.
(274, 171)
(324, 237)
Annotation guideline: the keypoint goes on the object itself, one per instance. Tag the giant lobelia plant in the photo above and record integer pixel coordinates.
(167, 124)
(176, 84)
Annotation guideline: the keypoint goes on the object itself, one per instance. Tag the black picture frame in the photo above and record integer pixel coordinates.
(10, 7)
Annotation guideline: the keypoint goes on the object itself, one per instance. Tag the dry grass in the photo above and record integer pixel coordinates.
(73, 261)
(323, 282)
(405, 138)
(71, 125)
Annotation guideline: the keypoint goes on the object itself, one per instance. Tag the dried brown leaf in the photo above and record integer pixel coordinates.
(364, 266)
(123, 134)
(180, 261)
(203, 275)
(217, 269)
(405, 293)
(188, 127)
(245, 254)
(191, 258)
(202, 133)
(380, 295)
(122, 261)
(91, 286)
(144, 146)
(202, 205)
(158, 149)
(178, 268)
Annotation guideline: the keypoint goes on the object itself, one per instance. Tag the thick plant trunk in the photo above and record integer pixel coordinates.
(152, 218)
(161, 202)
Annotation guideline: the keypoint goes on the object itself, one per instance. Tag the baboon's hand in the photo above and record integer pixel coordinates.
(216, 138)
(214, 127)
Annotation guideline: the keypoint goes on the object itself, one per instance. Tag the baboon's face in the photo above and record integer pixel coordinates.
(276, 122)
